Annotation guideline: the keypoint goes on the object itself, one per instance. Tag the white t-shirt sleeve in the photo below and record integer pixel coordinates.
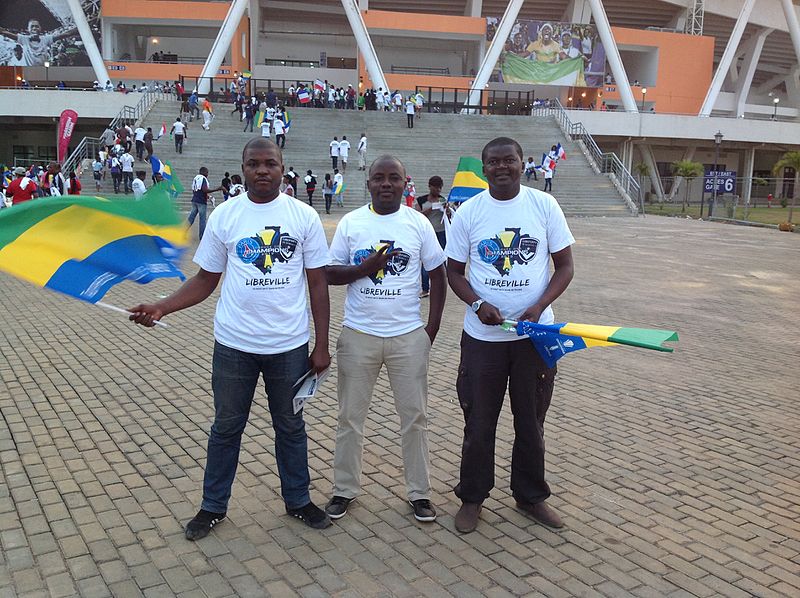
(340, 251)
(315, 247)
(457, 247)
(558, 234)
(431, 253)
(212, 254)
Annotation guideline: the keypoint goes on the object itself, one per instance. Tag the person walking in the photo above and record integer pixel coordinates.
(338, 187)
(97, 172)
(208, 114)
(247, 343)
(138, 138)
(194, 106)
(115, 168)
(344, 152)
(249, 116)
(410, 110)
(148, 143)
(432, 207)
(127, 161)
(311, 185)
(362, 152)
(506, 234)
(280, 132)
(334, 149)
(138, 186)
(548, 179)
(181, 132)
(327, 192)
(200, 193)
(378, 251)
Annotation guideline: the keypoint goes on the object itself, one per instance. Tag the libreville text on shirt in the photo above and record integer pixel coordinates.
(386, 303)
(264, 250)
(508, 245)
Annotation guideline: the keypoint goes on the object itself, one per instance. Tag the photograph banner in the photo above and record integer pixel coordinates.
(33, 32)
(547, 53)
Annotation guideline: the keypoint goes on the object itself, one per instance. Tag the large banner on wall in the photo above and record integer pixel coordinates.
(35, 31)
(548, 53)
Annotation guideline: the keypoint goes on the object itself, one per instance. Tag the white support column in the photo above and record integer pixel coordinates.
(676, 183)
(364, 43)
(649, 159)
(794, 26)
(100, 71)
(747, 182)
(727, 58)
(613, 57)
(749, 65)
(490, 59)
(792, 83)
(473, 8)
(221, 44)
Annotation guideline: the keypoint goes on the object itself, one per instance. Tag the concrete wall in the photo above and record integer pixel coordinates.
(36, 103)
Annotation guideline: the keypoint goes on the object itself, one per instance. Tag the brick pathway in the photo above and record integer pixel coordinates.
(676, 474)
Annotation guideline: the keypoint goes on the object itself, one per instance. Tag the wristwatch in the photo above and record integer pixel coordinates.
(476, 305)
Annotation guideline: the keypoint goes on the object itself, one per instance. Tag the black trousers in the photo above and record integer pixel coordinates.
(548, 184)
(485, 371)
(410, 118)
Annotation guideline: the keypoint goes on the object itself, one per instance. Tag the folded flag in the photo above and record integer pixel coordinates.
(319, 84)
(287, 120)
(553, 341)
(468, 180)
(260, 115)
(339, 188)
(547, 163)
(560, 153)
(246, 74)
(303, 96)
(82, 246)
(162, 131)
(165, 170)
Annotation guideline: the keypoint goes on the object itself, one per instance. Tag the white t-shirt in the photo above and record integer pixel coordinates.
(179, 127)
(337, 178)
(35, 52)
(265, 128)
(139, 134)
(344, 148)
(507, 245)
(410, 107)
(138, 187)
(127, 162)
(335, 148)
(387, 303)
(280, 129)
(263, 249)
(362, 144)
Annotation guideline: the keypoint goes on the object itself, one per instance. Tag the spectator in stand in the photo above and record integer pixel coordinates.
(126, 160)
(344, 152)
(97, 172)
(311, 185)
(181, 132)
(22, 188)
(327, 192)
(334, 145)
(139, 188)
(73, 184)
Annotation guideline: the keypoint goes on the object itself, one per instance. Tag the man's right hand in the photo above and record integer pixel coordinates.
(146, 314)
(378, 260)
(490, 315)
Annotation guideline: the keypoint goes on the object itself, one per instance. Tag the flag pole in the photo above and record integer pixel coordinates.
(125, 311)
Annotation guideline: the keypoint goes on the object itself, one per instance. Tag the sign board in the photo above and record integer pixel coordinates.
(726, 181)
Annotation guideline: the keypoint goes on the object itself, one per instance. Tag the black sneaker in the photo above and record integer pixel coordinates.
(311, 515)
(201, 525)
(337, 507)
(423, 510)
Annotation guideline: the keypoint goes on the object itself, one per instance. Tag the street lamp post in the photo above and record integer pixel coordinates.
(775, 109)
(644, 93)
(717, 142)
(47, 70)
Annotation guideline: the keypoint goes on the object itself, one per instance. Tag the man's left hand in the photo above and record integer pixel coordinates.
(533, 313)
(431, 332)
(320, 359)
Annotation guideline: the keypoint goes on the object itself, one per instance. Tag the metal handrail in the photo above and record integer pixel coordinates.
(89, 147)
(605, 162)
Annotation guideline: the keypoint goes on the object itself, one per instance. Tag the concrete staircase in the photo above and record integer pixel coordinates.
(432, 147)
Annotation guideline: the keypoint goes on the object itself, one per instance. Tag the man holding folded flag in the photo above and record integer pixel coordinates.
(508, 234)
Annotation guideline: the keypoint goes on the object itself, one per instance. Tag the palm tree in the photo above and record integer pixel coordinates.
(688, 170)
(790, 160)
(642, 170)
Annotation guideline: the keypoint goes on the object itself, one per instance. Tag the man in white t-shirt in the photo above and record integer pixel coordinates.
(508, 234)
(268, 246)
(138, 186)
(378, 251)
(410, 109)
(138, 137)
(338, 187)
(362, 152)
(179, 128)
(344, 152)
(126, 161)
(334, 145)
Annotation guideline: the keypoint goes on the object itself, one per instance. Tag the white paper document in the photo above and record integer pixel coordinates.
(307, 387)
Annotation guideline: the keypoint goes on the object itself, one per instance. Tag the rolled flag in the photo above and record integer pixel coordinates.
(468, 180)
(553, 341)
(287, 120)
(560, 153)
(260, 117)
(82, 246)
(303, 96)
(162, 131)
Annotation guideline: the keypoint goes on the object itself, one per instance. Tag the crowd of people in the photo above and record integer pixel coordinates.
(20, 184)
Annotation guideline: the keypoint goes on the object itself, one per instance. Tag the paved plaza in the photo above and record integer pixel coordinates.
(676, 474)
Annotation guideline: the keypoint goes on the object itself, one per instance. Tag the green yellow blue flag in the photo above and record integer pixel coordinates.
(553, 341)
(82, 246)
(468, 181)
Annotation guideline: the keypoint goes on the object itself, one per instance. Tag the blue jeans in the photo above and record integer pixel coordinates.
(234, 376)
(201, 209)
(426, 280)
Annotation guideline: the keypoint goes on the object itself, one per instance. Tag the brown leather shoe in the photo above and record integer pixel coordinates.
(541, 512)
(467, 517)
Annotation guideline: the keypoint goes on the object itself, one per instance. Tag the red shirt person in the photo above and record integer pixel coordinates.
(21, 188)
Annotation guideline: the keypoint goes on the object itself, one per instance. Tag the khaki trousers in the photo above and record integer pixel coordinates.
(360, 357)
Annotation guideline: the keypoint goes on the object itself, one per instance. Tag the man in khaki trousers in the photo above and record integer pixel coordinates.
(378, 251)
